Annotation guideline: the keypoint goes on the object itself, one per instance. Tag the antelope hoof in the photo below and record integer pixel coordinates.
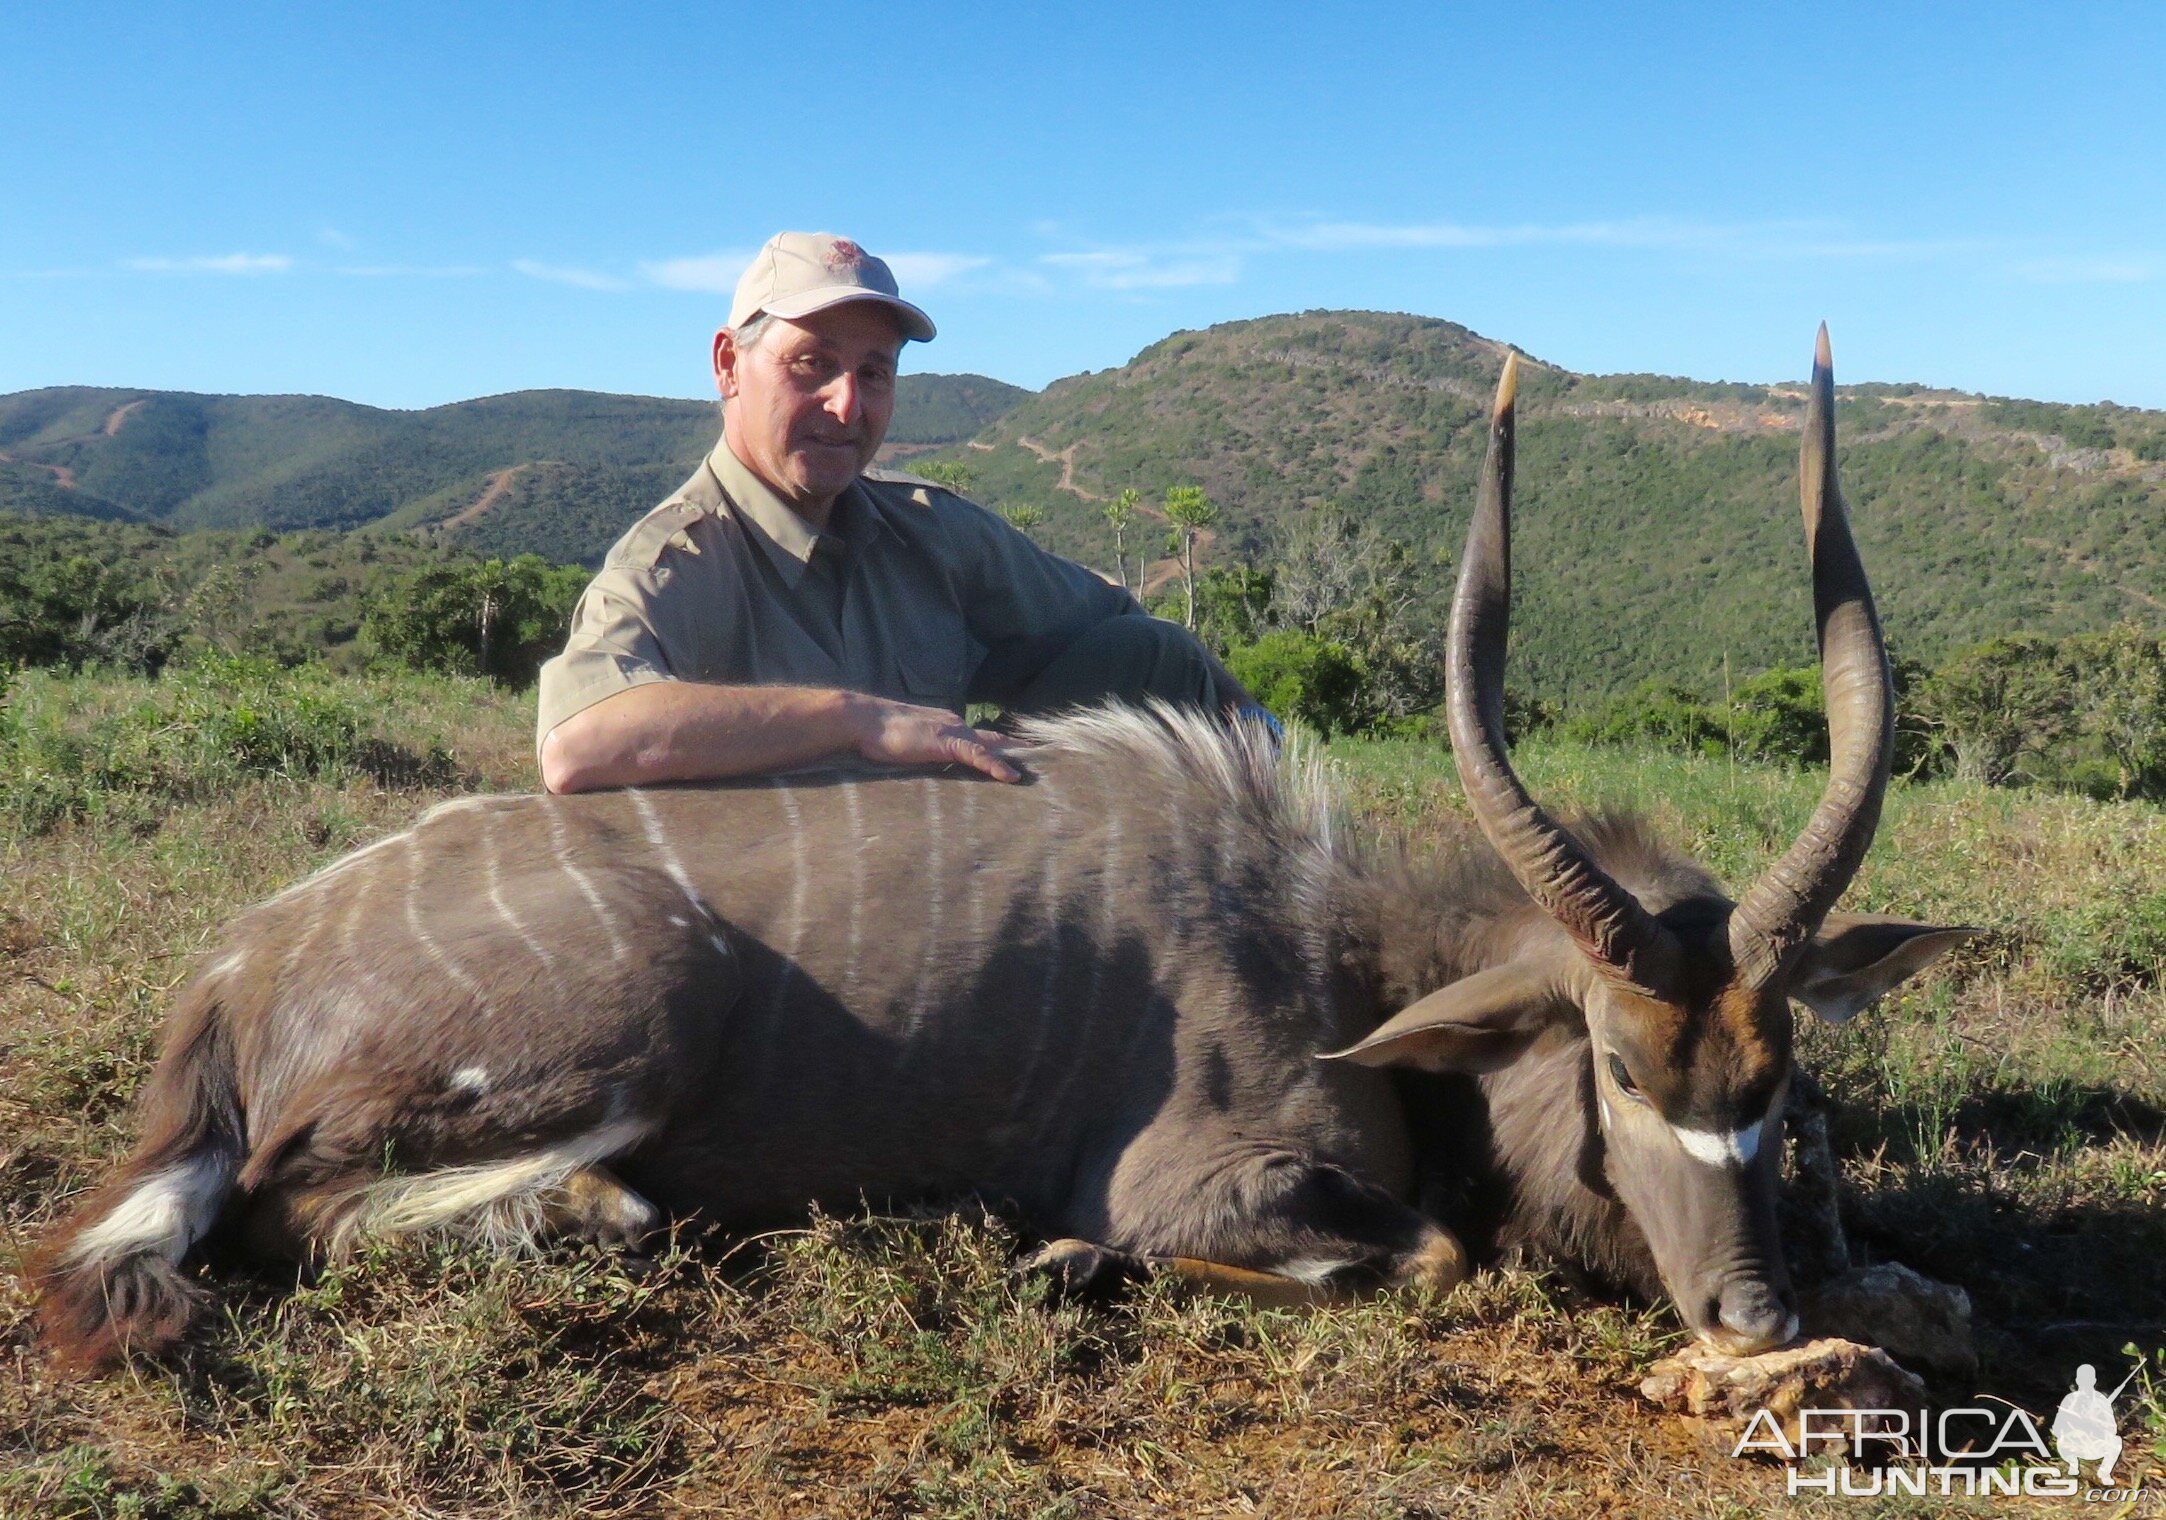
(1079, 1269)
(593, 1205)
(1438, 1265)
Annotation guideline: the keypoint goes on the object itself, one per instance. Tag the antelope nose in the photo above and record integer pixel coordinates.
(1755, 1317)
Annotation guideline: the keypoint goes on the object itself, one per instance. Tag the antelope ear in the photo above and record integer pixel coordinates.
(1857, 958)
(1478, 1023)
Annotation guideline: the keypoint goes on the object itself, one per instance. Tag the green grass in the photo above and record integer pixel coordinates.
(1998, 1125)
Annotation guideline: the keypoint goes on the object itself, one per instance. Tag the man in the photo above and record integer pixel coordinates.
(789, 605)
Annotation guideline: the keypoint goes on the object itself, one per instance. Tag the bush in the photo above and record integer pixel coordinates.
(1660, 713)
(2001, 709)
(494, 618)
(199, 733)
(1302, 677)
(74, 611)
(1781, 716)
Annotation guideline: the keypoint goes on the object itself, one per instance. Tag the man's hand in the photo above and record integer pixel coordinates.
(896, 733)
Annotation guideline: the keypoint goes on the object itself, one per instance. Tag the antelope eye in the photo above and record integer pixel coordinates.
(1623, 1078)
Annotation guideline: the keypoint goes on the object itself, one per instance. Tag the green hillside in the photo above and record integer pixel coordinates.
(1657, 527)
(293, 462)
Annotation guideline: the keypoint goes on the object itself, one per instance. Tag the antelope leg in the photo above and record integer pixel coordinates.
(592, 1204)
(1438, 1263)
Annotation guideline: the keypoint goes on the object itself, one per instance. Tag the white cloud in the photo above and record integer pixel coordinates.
(563, 274)
(412, 271)
(717, 273)
(223, 263)
(2130, 269)
(331, 237)
(923, 271)
(1777, 239)
(1149, 269)
(713, 273)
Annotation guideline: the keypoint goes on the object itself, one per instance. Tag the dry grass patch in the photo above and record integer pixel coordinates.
(1998, 1124)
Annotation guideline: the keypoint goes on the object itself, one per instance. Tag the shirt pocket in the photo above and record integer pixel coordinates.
(932, 662)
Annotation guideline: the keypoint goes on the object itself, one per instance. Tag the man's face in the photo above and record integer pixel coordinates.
(809, 404)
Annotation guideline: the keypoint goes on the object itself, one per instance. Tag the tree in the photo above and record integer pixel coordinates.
(2123, 700)
(1300, 676)
(217, 608)
(951, 473)
(1024, 516)
(1349, 582)
(2002, 707)
(1120, 514)
(494, 617)
(1233, 603)
(76, 610)
(1190, 512)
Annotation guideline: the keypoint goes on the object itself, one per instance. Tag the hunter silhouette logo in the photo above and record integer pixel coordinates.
(1976, 1450)
(2083, 1428)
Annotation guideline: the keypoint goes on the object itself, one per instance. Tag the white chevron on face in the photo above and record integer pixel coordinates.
(1734, 1147)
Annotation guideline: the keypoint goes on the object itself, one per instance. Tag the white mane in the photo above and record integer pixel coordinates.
(1288, 791)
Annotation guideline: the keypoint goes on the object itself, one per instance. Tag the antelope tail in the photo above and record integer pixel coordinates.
(109, 1280)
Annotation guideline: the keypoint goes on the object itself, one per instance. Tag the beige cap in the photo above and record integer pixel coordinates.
(798, 273)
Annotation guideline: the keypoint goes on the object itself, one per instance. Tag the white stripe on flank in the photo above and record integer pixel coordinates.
(855, 939)
(936, 880)
(970, 867)
(662, 847)
(559, 841)
(168, 1211)
(794, 927)
(495, 870)
(502, 1202)
(1717, 1148)
(425, 939)
(348, 936)
(338, 867)
(1172, 906)
(1101, 951)
(299, 948)
(1049, 903)
(1110, 884)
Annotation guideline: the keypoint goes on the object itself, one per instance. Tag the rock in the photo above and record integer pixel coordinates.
(1816, 1374)
(1915, 1319)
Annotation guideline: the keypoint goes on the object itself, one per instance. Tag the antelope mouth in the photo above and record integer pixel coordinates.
(1750, 1317)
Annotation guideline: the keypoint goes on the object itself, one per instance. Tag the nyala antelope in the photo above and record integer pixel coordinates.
(1159, 998)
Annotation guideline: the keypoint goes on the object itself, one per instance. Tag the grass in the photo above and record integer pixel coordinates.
(1999, 1125)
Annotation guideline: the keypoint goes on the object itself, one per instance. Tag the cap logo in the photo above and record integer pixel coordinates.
(843, 255)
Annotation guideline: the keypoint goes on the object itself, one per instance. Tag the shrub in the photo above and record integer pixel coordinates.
(494, 618)
(1661, 713)
(1302, 677)
(74, 611)
(1780, 716)
(2001, 708)
(199, 733)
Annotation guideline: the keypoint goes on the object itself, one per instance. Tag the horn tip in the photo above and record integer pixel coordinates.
(1507, 386)
(1823, 354)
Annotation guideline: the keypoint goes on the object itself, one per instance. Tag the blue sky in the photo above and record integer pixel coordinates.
(408, 204)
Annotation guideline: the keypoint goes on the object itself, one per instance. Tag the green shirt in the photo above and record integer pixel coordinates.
(911, 593)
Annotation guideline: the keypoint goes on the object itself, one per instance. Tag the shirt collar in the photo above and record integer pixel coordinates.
(789, 540)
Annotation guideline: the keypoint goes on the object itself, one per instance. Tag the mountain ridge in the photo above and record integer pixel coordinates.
(1657, 521)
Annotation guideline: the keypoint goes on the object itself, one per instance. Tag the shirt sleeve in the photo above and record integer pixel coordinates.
(1024, 604)
(613, 647)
